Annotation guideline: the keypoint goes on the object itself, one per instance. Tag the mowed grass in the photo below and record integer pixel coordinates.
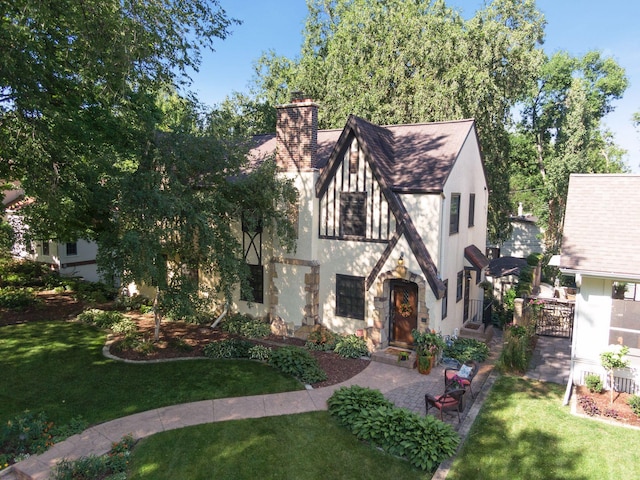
(307, 446)
(58, 368)
(524, 432)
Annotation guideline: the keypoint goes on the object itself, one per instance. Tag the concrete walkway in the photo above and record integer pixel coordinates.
(551, 361)
(404, 387)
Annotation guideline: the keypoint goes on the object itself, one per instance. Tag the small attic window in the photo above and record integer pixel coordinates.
(353, 214)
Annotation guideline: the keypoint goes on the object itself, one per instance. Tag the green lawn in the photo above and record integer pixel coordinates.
(524, 432)
(307, 446)
(58, 368)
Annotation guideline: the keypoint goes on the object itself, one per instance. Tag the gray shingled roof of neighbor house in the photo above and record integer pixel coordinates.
(602, 225)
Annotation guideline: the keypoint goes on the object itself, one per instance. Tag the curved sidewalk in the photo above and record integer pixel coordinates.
(97, 440)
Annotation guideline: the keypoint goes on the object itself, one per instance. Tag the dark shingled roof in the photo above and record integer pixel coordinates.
(503, 266)
(602, 225)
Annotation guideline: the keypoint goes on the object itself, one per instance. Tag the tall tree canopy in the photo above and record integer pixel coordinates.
(560, 133)
(91, 126)
(397, 61)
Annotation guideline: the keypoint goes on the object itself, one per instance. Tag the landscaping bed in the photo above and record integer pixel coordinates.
(180, 340)
(600, 401)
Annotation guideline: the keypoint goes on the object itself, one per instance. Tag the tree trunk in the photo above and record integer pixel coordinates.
(157, 317)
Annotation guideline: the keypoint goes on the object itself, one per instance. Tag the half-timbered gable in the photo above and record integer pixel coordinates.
(375, 253)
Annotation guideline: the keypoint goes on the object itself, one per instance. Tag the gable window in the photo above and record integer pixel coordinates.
(350, 296)
(255, 284)
(472, 209)
(459, 283)
(353, 214)
(454, 214)
(445, 299)
(72, 248)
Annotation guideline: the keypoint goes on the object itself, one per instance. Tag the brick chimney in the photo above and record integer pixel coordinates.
(297, 134)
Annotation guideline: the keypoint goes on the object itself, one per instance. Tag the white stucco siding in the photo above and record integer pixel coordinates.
(426, 212)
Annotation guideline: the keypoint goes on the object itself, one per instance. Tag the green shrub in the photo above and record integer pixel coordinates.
(351, 346)
(245, 326)
(634, 402)
(101, 318)
(533, 259)
(136, 343)
(347, 403)
(517, 349)
(297, 362)
(134, 302)
(593, 383)
(26, 273)
(31, 433)
(322, 339)
(230, 348)
(112, 466)
(18, 298)
(260, 352)
(465, 349)
(423, 440)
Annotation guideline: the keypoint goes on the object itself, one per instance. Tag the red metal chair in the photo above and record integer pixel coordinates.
(449, 400)
(453, 375)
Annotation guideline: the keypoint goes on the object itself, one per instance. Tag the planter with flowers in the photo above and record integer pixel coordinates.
(428, 345)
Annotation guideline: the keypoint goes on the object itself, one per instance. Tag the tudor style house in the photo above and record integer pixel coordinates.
(389, 224)
(600, 247)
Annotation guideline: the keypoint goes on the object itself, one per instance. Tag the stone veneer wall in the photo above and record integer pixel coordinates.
(379, 332)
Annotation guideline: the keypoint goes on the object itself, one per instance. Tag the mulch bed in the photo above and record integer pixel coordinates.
(175, 335)
(623, 413)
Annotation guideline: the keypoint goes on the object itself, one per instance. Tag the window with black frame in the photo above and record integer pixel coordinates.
(353, 214)
(255, 282)
(454, 214)
(350, 296)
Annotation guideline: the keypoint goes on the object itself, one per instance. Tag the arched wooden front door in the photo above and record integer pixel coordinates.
(404, 311)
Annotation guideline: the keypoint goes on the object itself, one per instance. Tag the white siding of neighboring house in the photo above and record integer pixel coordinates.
(525, 239)
(591, 328)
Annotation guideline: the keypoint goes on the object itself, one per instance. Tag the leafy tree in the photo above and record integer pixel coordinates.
(91, 125)
(560, 133)
(398, 61)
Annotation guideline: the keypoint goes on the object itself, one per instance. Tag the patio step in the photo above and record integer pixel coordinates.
(391, 356)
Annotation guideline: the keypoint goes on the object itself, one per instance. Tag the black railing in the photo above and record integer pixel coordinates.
(478, 311)
(553, 317)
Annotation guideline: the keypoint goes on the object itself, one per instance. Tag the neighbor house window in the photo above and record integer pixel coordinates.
(45, 248)
(353, 214)
(624, 328)
(255, 283)
(454, 214)
(445, 299)
(459, 283)
(72, 248)
(350, 296)
(472, 209)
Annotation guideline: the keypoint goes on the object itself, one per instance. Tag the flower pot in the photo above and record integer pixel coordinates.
(424, 365)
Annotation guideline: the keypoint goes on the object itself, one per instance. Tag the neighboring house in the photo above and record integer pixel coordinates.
(526, 237)
(389, 224)
(600, 247)
(70, 259)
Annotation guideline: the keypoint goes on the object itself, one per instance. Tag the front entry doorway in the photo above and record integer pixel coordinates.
(404, 312)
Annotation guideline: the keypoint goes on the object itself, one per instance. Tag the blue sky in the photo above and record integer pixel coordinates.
(576, 26)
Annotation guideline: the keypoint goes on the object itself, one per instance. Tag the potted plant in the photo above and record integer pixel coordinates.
(424, 363)
(428, 345)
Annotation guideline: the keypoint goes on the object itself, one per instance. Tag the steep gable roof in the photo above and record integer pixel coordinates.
(602, 225)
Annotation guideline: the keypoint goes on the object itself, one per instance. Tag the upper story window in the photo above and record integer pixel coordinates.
(353, 214)
(472, 209)
(45, 247)
(350, 296)
(459, 283)
(72, 248)
(454, 214)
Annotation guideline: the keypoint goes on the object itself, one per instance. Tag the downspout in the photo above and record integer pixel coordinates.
(221, 316)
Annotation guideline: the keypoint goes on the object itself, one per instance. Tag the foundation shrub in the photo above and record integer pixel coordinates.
(466, 349)
(246, 326)
(351, 346)
(594, 383)
(18, 298)
(322, 339)
(297, 362)
(634, 402)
